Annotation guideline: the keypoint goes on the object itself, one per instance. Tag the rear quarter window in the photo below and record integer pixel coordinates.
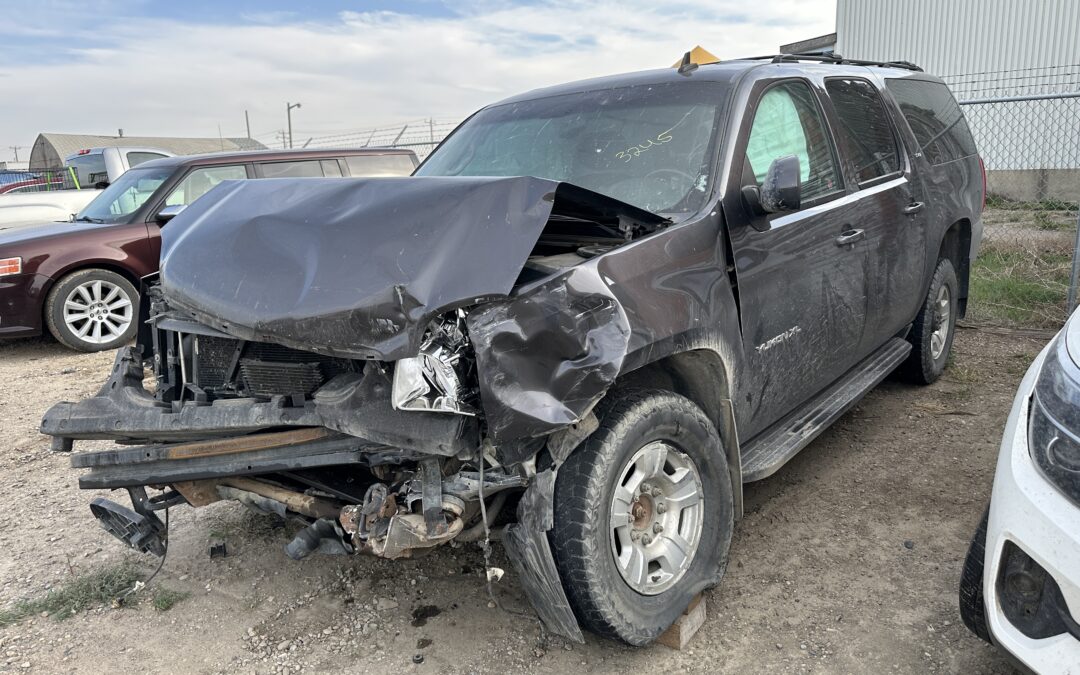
(935, 119)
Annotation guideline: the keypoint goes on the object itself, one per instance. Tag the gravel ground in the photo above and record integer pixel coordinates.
(847, 560)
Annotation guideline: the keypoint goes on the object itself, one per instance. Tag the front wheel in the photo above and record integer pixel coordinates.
(643, 515)
(92, 310)
(931, 335)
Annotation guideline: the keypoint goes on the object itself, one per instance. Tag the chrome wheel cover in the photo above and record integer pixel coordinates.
(655, 520)
(942, 322)
(98, 311)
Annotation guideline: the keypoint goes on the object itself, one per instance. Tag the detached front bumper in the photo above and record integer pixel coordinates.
(356, 404)
(1033, 530)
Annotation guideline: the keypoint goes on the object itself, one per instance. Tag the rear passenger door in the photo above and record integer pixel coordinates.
(801, 280)
(889, 206)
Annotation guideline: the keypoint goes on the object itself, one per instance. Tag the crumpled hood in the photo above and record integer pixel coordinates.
(350, 267)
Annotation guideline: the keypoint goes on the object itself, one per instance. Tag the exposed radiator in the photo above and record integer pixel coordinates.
(265, 369)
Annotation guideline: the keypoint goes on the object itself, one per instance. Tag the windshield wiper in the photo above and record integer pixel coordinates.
(87, 219)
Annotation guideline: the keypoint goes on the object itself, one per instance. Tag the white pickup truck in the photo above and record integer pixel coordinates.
(90, 171)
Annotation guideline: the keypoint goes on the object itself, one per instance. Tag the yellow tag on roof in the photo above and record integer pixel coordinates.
(700, 56)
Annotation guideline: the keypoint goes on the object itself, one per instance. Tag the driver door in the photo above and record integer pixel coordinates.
(801, 274)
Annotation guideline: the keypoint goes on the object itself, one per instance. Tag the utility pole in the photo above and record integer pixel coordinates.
(16, 149)
(288, 116)
(247, 121)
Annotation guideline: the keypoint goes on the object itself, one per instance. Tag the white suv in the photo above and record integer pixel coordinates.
(1020, 587)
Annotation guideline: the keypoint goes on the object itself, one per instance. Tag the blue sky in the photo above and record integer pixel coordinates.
(188, 67)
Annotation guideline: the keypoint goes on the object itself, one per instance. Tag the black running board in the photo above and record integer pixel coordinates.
(764, 455)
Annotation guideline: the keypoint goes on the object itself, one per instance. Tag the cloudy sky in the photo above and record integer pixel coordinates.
(184, 68)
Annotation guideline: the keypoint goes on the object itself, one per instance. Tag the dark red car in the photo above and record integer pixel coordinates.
(79, 278)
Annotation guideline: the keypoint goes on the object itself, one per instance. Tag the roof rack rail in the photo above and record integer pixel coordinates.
(831, 58)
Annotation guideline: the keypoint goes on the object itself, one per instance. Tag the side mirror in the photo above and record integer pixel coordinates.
(782, 189)
(168, 213)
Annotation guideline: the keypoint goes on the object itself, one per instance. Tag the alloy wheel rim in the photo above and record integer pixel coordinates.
(98, 311)
(655, 519)
(942, 322)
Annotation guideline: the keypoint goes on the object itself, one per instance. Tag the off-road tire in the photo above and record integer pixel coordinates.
(603, 602)
(54, 310)
(972, 602)
(921, 367)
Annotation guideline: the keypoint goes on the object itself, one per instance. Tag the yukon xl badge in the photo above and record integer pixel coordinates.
(779, 339)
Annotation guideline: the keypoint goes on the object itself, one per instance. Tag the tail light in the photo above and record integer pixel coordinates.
(982, 168)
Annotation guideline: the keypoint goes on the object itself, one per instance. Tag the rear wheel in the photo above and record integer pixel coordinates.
(931, 335)
(643, 515)
(92, 310)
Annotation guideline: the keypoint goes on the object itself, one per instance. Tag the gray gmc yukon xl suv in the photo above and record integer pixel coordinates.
(592, 315)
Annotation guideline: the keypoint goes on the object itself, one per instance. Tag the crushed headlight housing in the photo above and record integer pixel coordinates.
(1054, 423)
(439, 378)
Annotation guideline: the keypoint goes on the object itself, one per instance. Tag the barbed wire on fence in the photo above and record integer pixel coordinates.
(420, 136)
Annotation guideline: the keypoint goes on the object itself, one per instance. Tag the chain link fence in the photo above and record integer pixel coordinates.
(1028, 134)
(36, 180)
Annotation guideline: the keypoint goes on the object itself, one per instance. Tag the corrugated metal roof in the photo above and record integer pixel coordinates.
(51, 147)
(975, 39)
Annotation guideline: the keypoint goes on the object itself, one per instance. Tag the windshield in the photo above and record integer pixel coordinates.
(650, 146)
(125, 196)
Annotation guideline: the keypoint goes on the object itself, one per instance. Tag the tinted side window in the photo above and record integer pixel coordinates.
(136, 158)
(935, 119)
(787, 122)
(307, 169)
(865, 126)
(380, 165)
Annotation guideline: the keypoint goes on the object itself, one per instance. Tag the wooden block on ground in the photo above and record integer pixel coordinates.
(684, 628)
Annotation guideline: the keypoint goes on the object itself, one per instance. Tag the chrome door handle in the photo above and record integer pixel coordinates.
(849, 237)
(913, 208)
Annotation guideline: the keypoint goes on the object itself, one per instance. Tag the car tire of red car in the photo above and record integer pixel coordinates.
(92, 310)
(931, 335)
(652, 480)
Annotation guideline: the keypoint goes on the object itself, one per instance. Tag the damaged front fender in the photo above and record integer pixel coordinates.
(546, 356)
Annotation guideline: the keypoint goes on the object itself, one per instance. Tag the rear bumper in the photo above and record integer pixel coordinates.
(1029, 514)
(21, 299)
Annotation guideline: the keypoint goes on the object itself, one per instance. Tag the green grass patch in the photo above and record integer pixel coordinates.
(1054, 222)
(163, 598)
(1019, 287)
(100, 587)
(1004, 203)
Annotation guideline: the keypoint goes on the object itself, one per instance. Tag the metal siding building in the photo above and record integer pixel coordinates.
(50, 150)
(990, 49)
(972, 41)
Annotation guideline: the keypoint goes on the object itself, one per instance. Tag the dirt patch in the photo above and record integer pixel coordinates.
(848, 559)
